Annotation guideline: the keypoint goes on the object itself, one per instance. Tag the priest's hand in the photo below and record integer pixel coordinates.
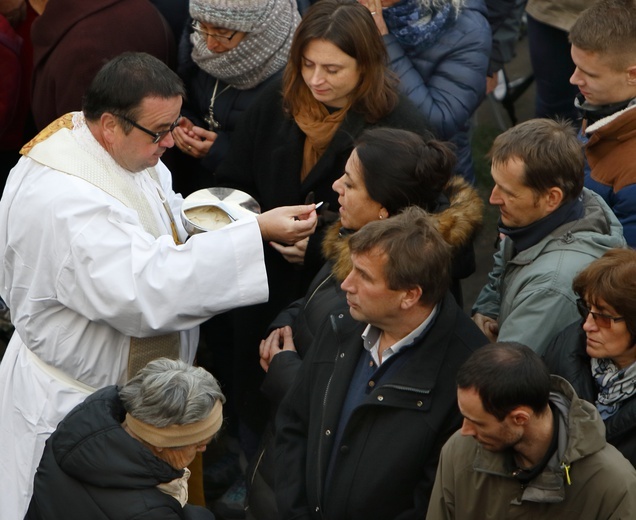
(288, 224)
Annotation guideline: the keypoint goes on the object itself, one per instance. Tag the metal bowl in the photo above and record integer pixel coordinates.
(236, 204)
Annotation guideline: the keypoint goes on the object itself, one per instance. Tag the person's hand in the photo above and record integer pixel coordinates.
(278, 340)
(288, 224)
(193, 140)
(491, 83)
(375, 6)
(294, 254)
(488, 326)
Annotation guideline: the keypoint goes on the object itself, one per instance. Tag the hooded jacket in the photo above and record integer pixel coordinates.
(530, 294)
(610, 150)
(566, 357)
(586, 479)
(93, 469)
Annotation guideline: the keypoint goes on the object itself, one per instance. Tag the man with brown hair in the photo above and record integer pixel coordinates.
(551, 227)
(604, 51)
(359, 433)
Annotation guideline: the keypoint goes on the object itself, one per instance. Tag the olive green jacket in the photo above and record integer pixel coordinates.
(473, 483)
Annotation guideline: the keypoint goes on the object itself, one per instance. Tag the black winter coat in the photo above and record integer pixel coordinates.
(386, 462)
(93, 469)
(566, 357)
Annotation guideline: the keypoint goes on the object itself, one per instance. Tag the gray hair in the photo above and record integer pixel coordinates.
(168, 391)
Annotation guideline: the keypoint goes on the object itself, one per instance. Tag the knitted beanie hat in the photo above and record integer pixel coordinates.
(237, 15)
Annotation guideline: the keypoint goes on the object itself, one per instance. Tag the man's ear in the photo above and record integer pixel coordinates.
(411, 297)
(554, 197)
(519, 416)
(108, 126)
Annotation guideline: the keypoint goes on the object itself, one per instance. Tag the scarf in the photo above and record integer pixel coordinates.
(527, 236)
(262, 52)
(418, 26)
(614, 385)
(319, 127)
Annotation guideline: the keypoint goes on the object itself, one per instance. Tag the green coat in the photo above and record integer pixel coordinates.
(473, 483)
(530, 294)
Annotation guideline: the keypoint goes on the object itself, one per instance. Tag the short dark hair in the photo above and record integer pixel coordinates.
(417, 254)
(401, 168)
(348, 25)
(608, 27)
(611, 278)
(506, 375)
(551, 153)
(122, 84)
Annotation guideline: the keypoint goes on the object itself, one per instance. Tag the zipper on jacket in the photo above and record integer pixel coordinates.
(317, 289)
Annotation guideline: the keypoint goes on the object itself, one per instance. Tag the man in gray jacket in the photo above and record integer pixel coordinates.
(528, 447)
(551, 228)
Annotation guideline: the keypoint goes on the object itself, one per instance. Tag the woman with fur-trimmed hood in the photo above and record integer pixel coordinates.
(388, 171)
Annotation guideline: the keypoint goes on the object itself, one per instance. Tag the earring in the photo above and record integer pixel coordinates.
(381, 217)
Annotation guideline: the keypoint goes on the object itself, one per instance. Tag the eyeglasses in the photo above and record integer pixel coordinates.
(157, 136)
(602, 320)
(196, 27)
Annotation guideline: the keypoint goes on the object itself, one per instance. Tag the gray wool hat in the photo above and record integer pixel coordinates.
(238, 15)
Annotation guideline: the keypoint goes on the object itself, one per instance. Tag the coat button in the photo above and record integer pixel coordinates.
(344, 449)
(419, 403)
(340, 316)
(327, 432)
(317, 509)
(371, 384)
(380, 398)
(342, 355)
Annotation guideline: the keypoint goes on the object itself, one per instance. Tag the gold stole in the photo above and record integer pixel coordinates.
(56, 148)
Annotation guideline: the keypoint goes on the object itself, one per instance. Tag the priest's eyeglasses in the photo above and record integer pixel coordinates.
(156, 136)
(602, 320)
(196, 27)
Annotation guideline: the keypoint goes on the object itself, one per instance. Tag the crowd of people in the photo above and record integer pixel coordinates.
(321, 345)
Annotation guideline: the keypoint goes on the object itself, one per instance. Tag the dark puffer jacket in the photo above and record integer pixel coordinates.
(566, 357)
(93, 469)
(447, 81)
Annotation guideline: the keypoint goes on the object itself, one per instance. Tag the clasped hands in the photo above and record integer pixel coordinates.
(193, 140)
(278, 340)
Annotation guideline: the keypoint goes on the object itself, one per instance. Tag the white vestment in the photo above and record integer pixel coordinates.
(82, 276)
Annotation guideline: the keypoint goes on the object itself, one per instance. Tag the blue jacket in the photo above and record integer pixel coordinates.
(447, 81)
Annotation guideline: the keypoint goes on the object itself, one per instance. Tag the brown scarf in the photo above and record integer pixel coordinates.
(319, 127)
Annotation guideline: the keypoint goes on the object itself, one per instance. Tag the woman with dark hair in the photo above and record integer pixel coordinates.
(292, 145)
(388, 170)
(597, 354)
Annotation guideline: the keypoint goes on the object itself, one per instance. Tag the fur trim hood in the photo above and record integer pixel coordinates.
(458, 223)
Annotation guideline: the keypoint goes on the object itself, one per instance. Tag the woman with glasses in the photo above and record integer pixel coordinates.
(232, 50)
(597, 355)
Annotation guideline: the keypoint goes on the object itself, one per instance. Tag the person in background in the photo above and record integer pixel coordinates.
(72, 41)
(604, 51)
(388, 170)
(548, 24)
(96, 270)
(124, 452)
(359, 432)
(234, 49)
(597, 355)
(439, 50)
(293, 143)
(552, 228)
(529, 447)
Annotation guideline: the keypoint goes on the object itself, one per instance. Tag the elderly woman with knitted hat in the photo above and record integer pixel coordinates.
(123, 453)
(235, 47)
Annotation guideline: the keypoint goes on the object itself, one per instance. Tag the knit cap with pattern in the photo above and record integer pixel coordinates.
(270, 27)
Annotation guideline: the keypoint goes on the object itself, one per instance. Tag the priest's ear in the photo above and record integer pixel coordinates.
(108, 127)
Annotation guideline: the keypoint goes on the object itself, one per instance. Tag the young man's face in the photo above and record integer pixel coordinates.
(598, 81)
